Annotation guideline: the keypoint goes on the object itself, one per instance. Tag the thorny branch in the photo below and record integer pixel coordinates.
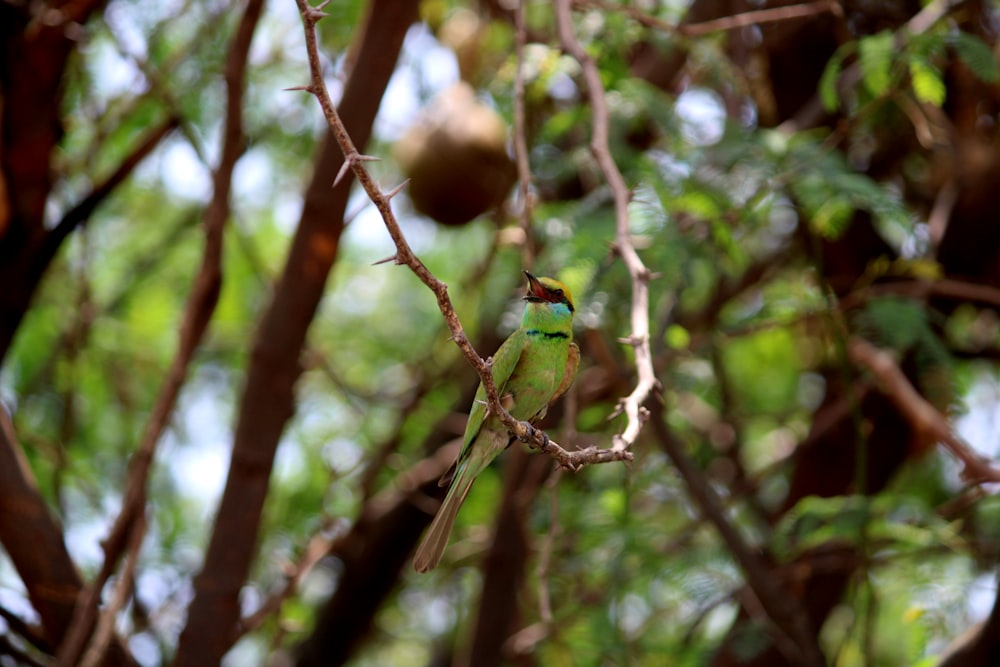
(924, 417)
(734, 22)
(631, 405)
(354, 160)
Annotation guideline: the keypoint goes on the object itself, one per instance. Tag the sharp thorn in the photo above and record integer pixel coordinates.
(344, 168)
(385, 260)
(396, 190)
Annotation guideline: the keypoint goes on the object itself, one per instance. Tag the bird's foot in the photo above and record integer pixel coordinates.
(531, 433)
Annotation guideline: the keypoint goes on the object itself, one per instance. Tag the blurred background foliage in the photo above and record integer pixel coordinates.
(751, 314)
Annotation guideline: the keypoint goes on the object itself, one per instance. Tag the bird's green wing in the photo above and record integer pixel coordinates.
(572, 363)
(504, 361)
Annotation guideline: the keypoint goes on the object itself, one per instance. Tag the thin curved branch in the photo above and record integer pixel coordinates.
(631, 405)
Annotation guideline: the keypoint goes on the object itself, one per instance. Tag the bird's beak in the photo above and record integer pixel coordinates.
(535, 288)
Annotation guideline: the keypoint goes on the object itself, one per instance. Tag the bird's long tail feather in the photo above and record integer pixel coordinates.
(436, 538)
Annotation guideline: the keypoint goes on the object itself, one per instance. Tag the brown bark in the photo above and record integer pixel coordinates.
(39, 553)
(268, 397)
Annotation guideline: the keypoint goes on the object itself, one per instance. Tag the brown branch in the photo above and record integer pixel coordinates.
(21, 658)
(793, 636)
(197, 313)
(925, 419)
(104, 632)
(82, 211)
(760, 16)
(319, 546)
(33, 540)
(520, 138)
(957, 290)
(30, 633)
(632, 405)
(354, 161)
(734, 22)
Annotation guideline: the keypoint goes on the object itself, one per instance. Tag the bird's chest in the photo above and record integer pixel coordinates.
(538, 375)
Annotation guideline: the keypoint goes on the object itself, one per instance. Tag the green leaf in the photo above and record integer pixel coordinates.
(927, 82)
(875, 59)
(977, 54)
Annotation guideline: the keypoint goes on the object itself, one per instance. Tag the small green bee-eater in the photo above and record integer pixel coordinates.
(532, 368)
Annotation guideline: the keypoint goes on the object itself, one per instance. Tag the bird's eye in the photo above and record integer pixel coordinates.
(558, 292)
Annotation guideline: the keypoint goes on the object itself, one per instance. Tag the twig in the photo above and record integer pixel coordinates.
(82, 211)
(318, 547)
(27, 528)
(631, 405)
(734, 22)
(924, 417)
(520, 138)
(793, 636)
(759, 16)
(20, 657)
(30, 633)
(523, 431)
(104, 632)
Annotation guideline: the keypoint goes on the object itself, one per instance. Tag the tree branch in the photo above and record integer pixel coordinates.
(34, 541)
(793, 635)
(520, 138)
(318, 547)
(926, 420)
(82, 211)
(734, 22)
(354, 161)
(631, 405)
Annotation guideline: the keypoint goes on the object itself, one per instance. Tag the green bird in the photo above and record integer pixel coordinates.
(532, 368)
